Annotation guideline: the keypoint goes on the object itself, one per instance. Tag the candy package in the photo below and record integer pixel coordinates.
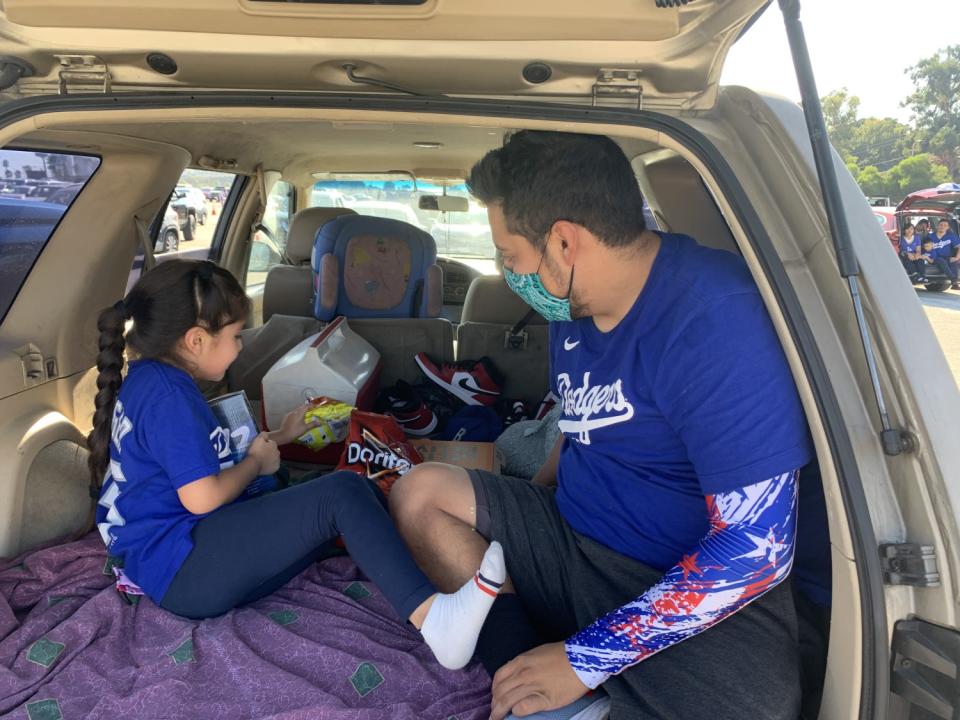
(334, 417)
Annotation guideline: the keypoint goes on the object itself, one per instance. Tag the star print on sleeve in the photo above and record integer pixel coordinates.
(747, 551)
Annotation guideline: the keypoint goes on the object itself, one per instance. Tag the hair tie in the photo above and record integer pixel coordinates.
(121, 307)
(205, 270)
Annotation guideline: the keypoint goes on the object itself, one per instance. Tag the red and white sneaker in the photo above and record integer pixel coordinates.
(476, 382)
(546, 405)
(403, 404)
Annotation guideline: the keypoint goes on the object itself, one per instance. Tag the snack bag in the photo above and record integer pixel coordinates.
(335, 425)
(238, 430)
(377, 448)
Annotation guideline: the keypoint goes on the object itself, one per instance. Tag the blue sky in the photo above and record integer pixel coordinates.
(864, 45)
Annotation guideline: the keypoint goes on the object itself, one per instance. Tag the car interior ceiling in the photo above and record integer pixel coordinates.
(143, 159)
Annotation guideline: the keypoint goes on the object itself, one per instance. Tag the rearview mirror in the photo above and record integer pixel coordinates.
(443, 203)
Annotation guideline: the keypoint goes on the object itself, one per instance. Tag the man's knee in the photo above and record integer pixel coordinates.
(429, 488)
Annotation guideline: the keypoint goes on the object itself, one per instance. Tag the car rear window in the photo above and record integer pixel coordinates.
(36, 190)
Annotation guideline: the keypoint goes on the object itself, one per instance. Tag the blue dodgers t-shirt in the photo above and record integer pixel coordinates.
(910, 246)
(689, 395)
(943, 247)
(164, 436)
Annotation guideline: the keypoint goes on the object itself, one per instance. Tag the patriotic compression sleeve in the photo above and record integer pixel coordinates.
(747, 551)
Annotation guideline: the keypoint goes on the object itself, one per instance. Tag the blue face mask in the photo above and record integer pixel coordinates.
(530, 288)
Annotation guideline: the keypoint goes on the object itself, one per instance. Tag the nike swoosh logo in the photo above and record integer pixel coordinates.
(567, 345)
(470, 385)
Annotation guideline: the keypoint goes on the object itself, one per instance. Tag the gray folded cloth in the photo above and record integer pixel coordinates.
(525, 445)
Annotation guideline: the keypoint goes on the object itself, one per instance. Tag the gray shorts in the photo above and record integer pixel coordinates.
(745, 666)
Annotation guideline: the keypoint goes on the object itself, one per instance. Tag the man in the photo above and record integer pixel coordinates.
(676, 472)
(946, 251)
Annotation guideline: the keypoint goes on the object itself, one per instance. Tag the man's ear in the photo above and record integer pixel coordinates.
(568, 236)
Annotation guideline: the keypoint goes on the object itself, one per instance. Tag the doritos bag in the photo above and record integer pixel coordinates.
(377, 448)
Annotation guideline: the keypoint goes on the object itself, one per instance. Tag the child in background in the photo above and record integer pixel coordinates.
(168, 498)
(927, 247)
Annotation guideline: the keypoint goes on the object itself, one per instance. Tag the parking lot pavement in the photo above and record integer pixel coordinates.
(943, 311)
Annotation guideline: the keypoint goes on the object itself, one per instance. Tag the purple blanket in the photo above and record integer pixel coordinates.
(327, 645)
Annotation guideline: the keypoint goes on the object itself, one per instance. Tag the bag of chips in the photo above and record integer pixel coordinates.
(334, 426)
(377, 448)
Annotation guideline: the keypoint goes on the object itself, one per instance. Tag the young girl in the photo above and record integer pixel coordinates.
(911, 254)
(169, 501)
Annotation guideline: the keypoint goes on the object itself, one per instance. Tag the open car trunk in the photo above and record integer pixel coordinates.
(263, 89)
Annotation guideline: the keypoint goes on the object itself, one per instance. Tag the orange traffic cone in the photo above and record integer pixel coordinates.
(213, 209)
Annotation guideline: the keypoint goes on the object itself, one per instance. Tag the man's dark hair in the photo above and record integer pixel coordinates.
(540, 177)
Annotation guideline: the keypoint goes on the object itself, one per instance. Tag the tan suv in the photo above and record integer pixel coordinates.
(280, 93)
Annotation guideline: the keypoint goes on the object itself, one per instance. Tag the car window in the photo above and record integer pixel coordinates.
(188, 223)
(464, 235)
(36, 191)
(270, 242)
(193, 212)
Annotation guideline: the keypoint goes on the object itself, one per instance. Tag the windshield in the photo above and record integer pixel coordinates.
(461, 235)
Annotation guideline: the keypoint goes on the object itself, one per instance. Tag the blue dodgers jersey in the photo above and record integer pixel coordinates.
(164, 436)
(689, 395)
(910, 246)
(944, 247)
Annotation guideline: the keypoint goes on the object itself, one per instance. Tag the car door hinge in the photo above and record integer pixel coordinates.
(83, 72)
(618, 88)
(924, 668)
(909, 564)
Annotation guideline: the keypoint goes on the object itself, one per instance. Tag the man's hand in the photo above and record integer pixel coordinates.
(541, 679)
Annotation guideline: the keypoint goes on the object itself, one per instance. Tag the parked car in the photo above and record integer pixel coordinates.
(191, 208)
(168, 238)
(932, 204)
(887, 217)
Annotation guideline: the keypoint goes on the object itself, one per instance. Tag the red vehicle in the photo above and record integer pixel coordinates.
(887, 217)
(933, 204)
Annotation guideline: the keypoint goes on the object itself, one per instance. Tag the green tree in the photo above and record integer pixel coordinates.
(881, 141)
(872, 181)
(936, 105)
(917, 172)
(840, 110)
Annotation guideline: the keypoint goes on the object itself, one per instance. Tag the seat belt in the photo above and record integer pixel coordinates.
(146, 243)
(516, 337)
(262, 193)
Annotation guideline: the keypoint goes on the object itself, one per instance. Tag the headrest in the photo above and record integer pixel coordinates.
(303, 231)
(490, 300)
(374, 267)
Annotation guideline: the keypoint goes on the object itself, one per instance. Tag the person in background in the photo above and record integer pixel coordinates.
(946, 251)
(911, 254)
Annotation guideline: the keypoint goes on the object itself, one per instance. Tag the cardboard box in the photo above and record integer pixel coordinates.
(482, 456)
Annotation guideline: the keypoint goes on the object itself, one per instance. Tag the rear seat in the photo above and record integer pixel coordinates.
(382, 275)
(287, 305)
(490, 311)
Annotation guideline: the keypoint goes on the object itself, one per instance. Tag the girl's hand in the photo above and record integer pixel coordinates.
(265, 451)
(294, 426)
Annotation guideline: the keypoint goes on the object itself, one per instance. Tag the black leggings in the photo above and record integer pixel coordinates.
(246, 550)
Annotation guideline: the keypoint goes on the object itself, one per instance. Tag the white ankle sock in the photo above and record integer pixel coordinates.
(453, 622)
